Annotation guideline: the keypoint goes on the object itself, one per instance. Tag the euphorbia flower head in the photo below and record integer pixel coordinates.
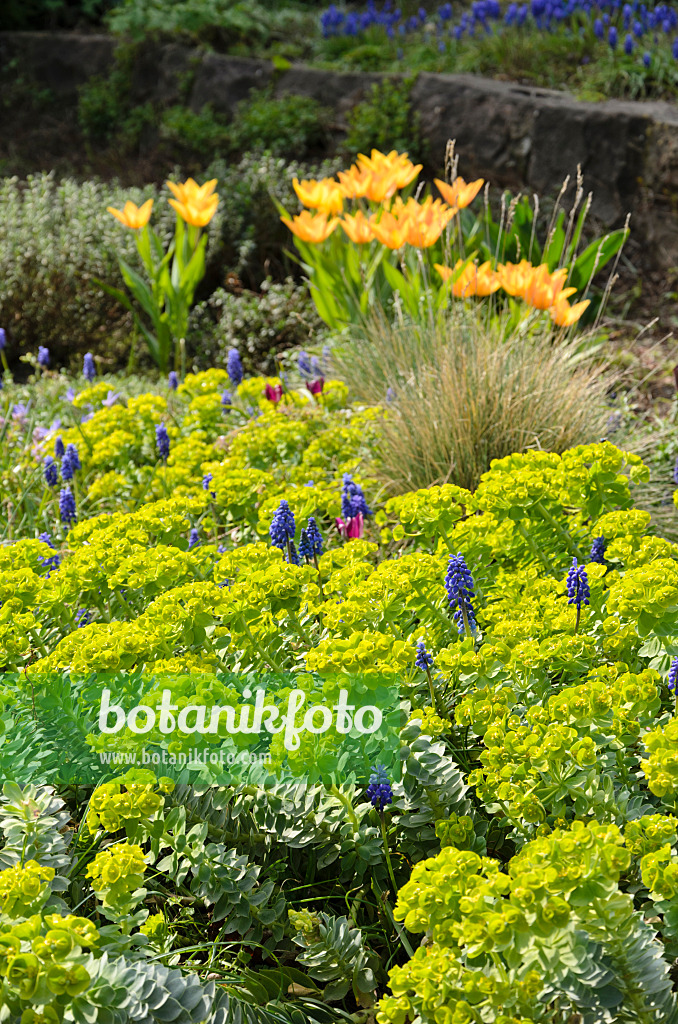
(325, 195)
(311, 228)
(460, 193)
(133, 216)
(195, 204)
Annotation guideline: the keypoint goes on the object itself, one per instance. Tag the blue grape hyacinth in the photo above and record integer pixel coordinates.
(234, 367)
(460, 592)
(162, 441)
(282, 527)
(173, 380)
(88, 368)
(352, 499)
(598, 550)
(310, 542)
(59, 448)
(673, 674)
(51, 471)
(423, 660)
(43, 356)
(70, 462)
(379, 790)
(578, 591)
(67, 510)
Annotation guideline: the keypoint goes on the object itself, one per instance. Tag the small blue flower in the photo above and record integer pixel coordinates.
(43, 356)
(578, 590)
(162, 441)
(51, 471)
(647, 59)
(628, 45)
(612, 37)
(3, 338)
(282, 527)
(598, 550)
(352, 499)
(675, 471)
(423, 660)
(173, 380)
(70, 462)
(88, 367)
(674, 49)
(193, 538)
(310, 542)
(227, 399)
(673, 674)
(598, 30)
(67, 506)
(379, 789)
(234, 366)
(460, 592)
(83, 617)
(304, 364)
(206, 481)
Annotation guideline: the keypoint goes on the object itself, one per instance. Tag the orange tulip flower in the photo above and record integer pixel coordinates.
(133, 216)
(378, 177)
(460, 193)
(358, 227)
(389, 230)
(325, 195)
(356, 182)
(473, 280)
(395, 166)
(311, 227)
(425, 221)
(543, 288)
(564, 315)
(514, 277)
(190, 191)
(195, 204)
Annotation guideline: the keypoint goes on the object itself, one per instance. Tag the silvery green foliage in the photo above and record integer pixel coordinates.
(36, 827)
(335, 956)
(221, 878)
(55, 237)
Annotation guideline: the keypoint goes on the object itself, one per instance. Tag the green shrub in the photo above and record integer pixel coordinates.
(199, 132)
(210, 21)
(55, 237)
(287, 125)
(385, 121)
(49, 14)
(259, 325)
(461, 393)
(253, 238)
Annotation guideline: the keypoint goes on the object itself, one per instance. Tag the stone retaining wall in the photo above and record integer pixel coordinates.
(517, 137)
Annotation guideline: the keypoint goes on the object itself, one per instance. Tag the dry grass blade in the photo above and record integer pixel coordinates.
(464, 395)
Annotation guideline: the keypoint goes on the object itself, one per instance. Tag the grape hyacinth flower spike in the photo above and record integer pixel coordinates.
(43, 356)
(673, 678)
(578, 591)
(379, 790)
(354, 509)
(59, 448)
(162, 441)
(311, 542)
(282, 530)
(173, 380)
(70, 462)
(51, 471)
(460, 592)
(675, 471)
(88, 367)
(424, 662)
(234, 367)
(67, 507)
(598, 550)
(193, 538)
(226, 400)
(304, 364)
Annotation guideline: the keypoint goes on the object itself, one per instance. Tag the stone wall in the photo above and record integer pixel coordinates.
(517, 137)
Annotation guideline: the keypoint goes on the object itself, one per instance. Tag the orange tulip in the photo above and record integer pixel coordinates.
(311, 227)
(543, 288)
(356, 182)
(473, 279)
(133, 216)
(358, 227)
(460, 193)
(325, 195)
(195, 204)
(564, 315)
(190, 191)
(515, 277)
(425, 221)
(378, 177)
(396, 166)
(390, 231)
